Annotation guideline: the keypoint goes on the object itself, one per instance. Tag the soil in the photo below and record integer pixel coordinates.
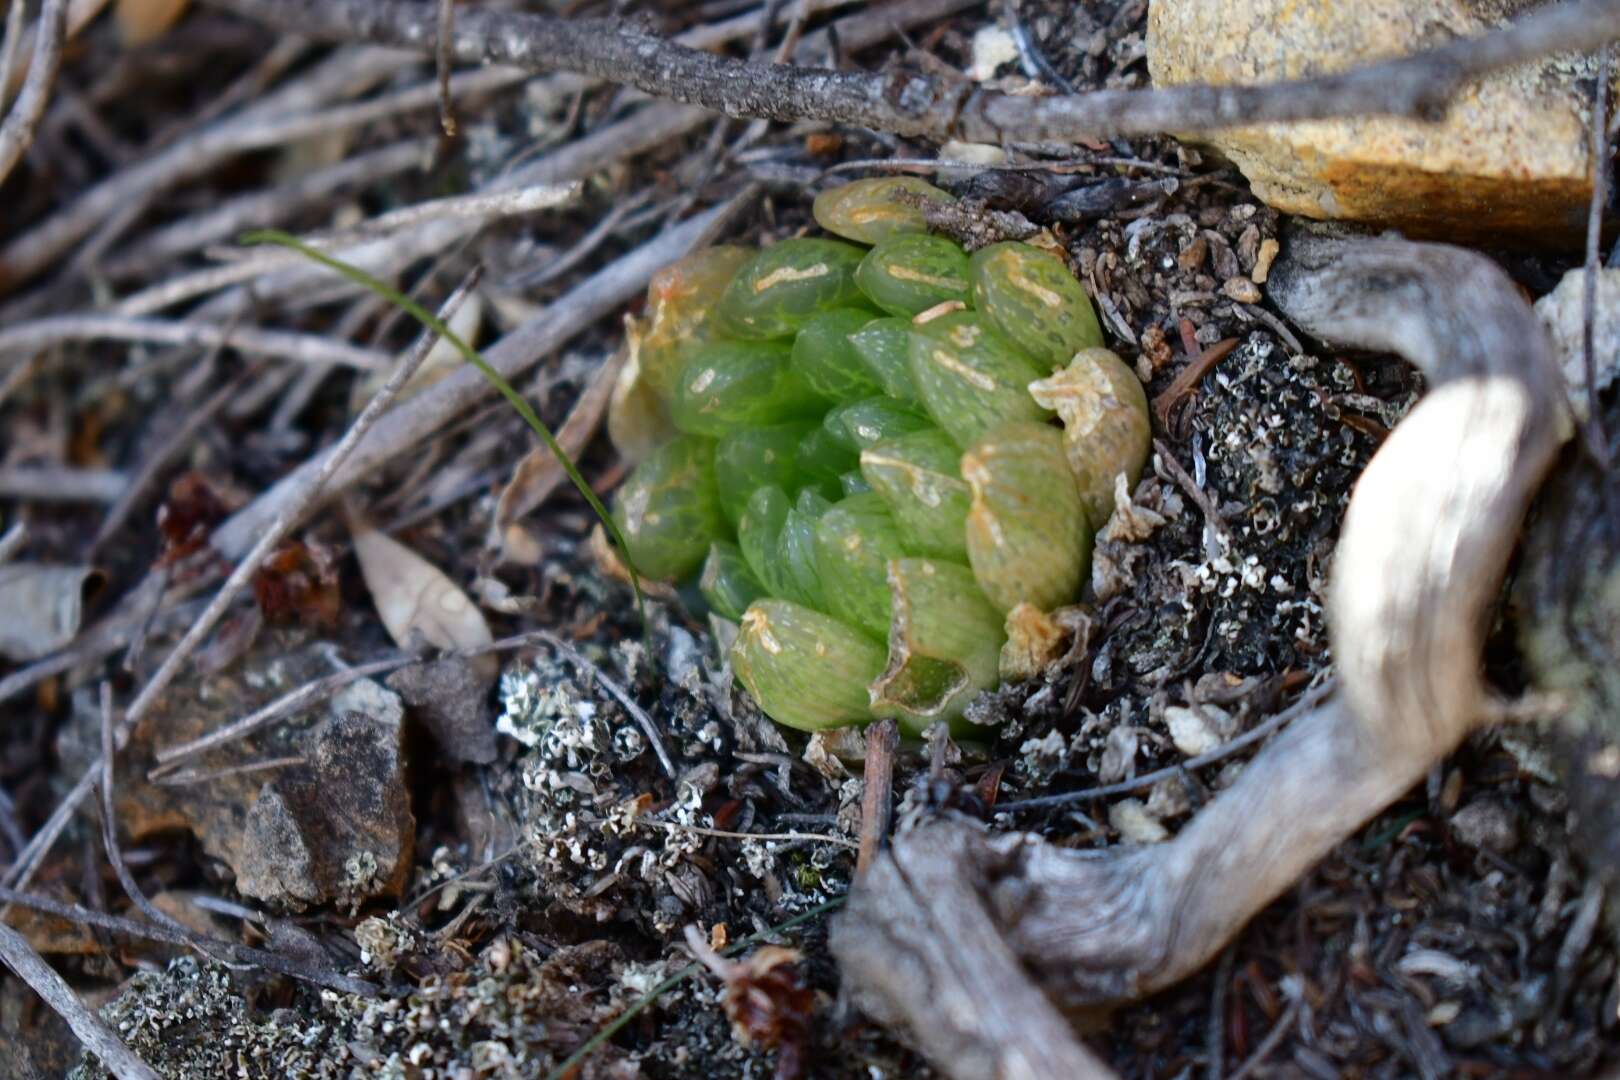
(543, 893)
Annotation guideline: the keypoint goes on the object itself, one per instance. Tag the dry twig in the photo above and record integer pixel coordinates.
(922, 106)
(1310, 700)
(96, 1036)
(18, 129)
(882, 739)
(303, 348)
(617, 693)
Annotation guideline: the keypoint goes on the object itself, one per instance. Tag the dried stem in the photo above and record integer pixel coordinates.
(1271, 724)
(17, 132)
(617, 693)
(169, 758)
(12, 542)
(882, 739)
(96, 1036)
(921, 106)
(303, 348)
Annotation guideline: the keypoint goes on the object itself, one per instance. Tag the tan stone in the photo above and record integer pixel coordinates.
(1509, 162)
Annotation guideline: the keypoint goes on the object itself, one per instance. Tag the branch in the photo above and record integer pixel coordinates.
(18, 130)
(922, 106)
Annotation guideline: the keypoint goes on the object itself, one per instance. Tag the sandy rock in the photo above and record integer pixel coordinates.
(1509, 162)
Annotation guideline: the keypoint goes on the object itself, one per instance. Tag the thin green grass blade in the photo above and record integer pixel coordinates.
(472, 356)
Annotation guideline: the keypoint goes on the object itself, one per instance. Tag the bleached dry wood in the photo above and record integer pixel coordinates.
(1420, 560)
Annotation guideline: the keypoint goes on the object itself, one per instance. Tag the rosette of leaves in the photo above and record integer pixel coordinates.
(862, 466)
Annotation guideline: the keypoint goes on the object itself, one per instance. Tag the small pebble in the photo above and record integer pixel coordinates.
(1269, 249)
(1191, 733)
(1486, 824)
(1242, 290)
(1134, 824)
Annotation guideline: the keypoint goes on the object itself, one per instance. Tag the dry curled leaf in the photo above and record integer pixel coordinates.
(416, 601)
(299, 582)
(637, 421)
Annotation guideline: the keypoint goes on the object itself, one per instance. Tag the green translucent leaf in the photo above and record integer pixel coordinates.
(824, 457)
(944, 643)
(855, 540)
(680, 298)
(911, 272)
(885, 346)
(919, 477)
(727, 582)
(777, 536)
(796, 550)
(971, 378)
(668, 509)
(779, 289)
(805, 669)
(1030, 296)
(823, 355)
(1027, 536)
(860, 424)
(1105, 426)
(869, 211)
(759, 536)
(752, 458)
(730, 385)
(853, 483)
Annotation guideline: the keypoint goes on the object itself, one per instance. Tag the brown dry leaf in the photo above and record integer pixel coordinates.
(187, 516)
(1036, 640)
(139, 21)
(539, 473)
(299, 581)
(414, 598)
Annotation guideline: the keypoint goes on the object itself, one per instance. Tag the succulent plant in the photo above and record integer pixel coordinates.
(867, 468)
